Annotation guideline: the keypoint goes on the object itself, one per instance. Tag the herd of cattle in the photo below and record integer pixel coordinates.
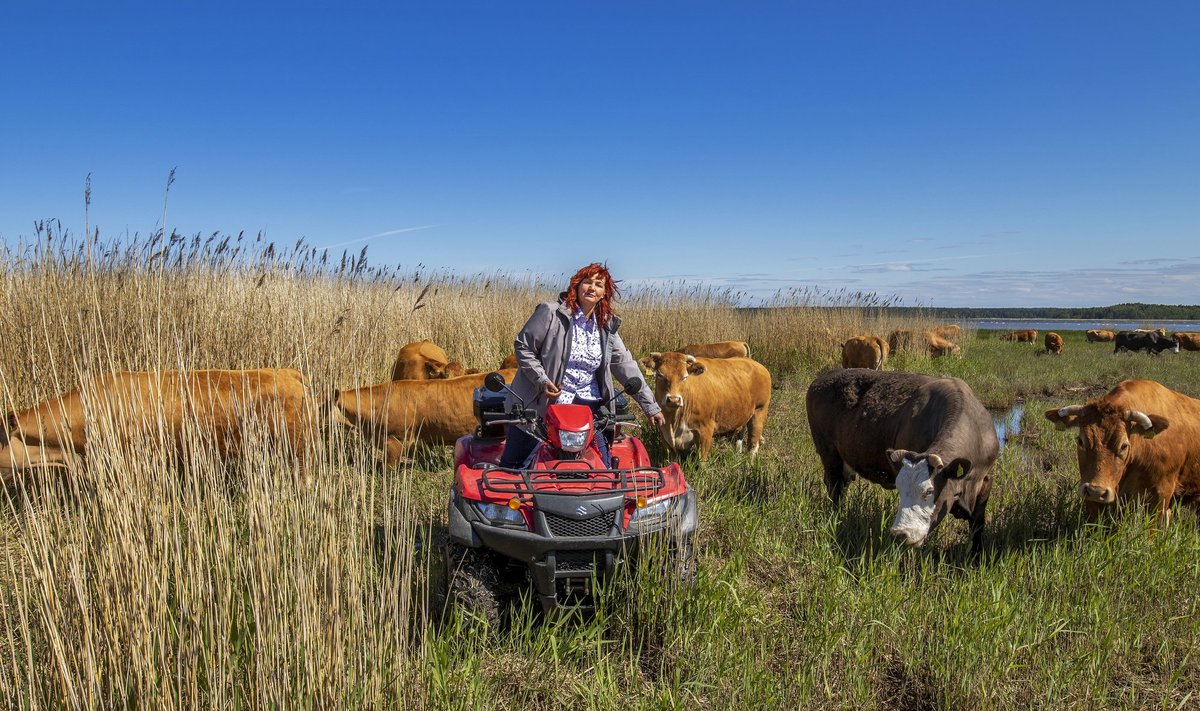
(1154, 341)
(930, 438)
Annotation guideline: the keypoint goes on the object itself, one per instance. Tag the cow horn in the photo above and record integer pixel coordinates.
(1140, 419)
(1068, 411)
(935, 462)
(691, 359)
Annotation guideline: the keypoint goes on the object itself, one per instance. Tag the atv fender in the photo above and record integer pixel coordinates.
(460, 528)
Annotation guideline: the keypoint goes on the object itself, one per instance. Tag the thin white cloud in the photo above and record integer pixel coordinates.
(389, 233)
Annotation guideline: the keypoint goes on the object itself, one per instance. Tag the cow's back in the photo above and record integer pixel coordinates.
(722, 349)
(861, 414)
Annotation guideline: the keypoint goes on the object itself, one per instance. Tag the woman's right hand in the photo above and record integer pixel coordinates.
(552, 391)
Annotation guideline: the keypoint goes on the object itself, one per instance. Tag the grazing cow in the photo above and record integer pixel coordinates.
(172, 408)
(1188, 341)
(949, 331)
(724, 349)
(901, 340)
(396, 415)
(1054, 343)
(1099, 334)
(1152, 341)
(1025, 336)
(937, 347)
(864, 352)
(425, 360)
(1160, 330)
(705, 397)
(931, 438)
(1140, 442)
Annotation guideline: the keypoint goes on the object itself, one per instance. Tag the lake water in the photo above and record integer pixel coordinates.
(1008, 423)
(1064, 325)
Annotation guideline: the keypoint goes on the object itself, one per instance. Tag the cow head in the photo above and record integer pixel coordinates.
(1108, 438)
(921, 479)
(671, 370)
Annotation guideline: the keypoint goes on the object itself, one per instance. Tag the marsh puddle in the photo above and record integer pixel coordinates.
(1008, 422)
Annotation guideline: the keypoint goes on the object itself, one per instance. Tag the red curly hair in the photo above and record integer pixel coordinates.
(604, 310)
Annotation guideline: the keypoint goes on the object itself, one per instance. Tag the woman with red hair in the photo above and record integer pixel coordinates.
(569, 351)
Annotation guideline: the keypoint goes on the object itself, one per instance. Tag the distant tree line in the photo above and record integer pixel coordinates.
(1116, 312)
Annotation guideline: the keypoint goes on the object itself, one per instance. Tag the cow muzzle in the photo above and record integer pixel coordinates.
(1097, 494)
(674, 400)
(910, 537)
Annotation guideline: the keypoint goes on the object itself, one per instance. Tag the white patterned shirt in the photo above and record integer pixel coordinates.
(579, 378)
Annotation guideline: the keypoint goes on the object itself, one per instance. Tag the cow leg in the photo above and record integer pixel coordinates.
(705, 434)
(755, 429)
(836, 480)
(396, 450)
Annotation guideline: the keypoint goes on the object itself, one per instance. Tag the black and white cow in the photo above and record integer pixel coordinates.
(931, 438)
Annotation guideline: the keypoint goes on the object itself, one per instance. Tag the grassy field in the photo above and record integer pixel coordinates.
(136, 582)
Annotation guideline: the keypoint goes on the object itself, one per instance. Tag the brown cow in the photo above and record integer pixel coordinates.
(173, 408)
(396, 415)
(901, 340)
(865, 352)
(724, 349)
(1054, 343)
(1099, 334)
(705, 397)
(937, 347)
(1188, 341)
(950, 331)
(510, 361)
(1026, 336)
(1139, 442)
(425, 360)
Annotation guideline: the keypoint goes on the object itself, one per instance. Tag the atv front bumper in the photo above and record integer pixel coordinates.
(572, 538)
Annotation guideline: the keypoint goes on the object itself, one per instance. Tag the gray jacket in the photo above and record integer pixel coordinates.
(543, 347)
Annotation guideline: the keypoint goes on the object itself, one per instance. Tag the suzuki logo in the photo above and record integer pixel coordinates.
(582, 510)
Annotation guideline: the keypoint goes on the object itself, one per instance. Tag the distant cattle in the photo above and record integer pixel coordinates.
(1140, 442)
(1188, 341)
(937, 347)
(723, 349)
(1054, 343)
(396, 415)
(1025, 336)
(901, 340)
(174, 409)
(931, 438)
(1100, 334)
(864, 352)
(1160, 331)
(707, 397)
(1152, 341)
(950, 331)
(425, 360)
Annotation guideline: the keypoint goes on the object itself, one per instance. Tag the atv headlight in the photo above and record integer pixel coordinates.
(572, 441)
(497, 514)
(653, 511)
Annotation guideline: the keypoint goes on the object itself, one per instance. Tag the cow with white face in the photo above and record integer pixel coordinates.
(930, 438)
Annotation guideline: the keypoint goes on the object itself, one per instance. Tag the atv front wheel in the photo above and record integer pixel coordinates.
(474, 583)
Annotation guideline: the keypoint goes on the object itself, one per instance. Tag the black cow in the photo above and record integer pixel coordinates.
(1144, 340)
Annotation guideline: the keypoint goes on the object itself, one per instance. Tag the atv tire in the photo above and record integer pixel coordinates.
(473, 583)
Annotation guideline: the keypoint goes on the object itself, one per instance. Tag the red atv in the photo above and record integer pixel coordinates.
(563, 520)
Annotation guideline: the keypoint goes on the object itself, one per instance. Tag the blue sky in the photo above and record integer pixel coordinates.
(959, 153)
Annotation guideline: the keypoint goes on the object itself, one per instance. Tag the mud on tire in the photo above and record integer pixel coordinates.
(473, 583)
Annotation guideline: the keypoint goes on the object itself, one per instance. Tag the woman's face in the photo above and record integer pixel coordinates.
(590, 291)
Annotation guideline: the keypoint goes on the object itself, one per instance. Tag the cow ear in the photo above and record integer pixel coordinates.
(1065, 417)
(1146, 425)
(958, 468)
(647, 363)
(696, 368)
